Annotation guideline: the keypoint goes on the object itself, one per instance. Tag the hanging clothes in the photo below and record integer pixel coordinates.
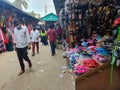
(2, 46)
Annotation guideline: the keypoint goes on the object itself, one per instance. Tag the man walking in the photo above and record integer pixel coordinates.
(34, 35)
(22, 43)
(52, 37)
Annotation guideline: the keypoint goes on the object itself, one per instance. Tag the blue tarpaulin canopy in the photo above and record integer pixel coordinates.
(50, 17)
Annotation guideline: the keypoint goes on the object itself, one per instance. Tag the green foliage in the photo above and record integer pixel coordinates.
(36, 15)
(21, 3)
(24, 3)
(32, 13)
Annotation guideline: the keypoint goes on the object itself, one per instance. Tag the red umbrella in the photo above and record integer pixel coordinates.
(117, 21)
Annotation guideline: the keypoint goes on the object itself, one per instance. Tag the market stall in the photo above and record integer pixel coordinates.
(89, 43)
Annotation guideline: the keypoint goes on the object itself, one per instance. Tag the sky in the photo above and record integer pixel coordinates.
(38, 6)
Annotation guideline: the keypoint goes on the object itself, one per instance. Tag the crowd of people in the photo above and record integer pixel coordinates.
(21, 39)
(6, 39)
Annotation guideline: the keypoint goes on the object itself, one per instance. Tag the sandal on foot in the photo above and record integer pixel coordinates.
(21, 72)
(30, 64)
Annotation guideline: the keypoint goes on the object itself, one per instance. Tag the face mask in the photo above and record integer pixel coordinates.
(19, 27)
(34, 29)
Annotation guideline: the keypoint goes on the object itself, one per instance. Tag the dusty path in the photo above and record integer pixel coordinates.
(47, 73)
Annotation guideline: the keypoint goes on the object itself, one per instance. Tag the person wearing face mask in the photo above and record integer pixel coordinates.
(34, 35)
(22, 44)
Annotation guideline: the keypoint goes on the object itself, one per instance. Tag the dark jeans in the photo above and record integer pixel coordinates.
(22, 54)
(53, 46)
(44, 40)
(9, 46)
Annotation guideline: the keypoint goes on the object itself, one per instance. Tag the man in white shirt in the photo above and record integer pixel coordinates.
(34, 35)
(22, 43)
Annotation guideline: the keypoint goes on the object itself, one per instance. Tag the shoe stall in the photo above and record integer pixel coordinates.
(89, 38)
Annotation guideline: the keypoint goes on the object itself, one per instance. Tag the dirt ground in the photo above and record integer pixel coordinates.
(48, 72)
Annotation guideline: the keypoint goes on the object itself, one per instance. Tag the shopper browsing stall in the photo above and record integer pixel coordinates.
(9, 35)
